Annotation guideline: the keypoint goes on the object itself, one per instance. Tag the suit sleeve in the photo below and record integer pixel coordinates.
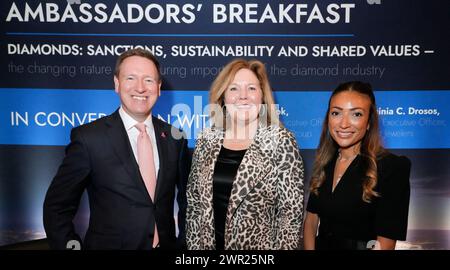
(183, 174)
(290, 194)
(393, 205)
(64, 194)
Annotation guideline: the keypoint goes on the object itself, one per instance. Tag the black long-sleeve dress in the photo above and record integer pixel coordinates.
(346, 221)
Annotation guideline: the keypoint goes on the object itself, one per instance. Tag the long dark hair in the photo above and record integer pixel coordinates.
(371, 145)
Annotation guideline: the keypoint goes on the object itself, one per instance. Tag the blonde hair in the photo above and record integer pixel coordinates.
(224, 79)
(371, 146)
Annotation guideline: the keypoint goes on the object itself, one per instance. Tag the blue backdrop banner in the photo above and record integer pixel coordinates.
(57, 61)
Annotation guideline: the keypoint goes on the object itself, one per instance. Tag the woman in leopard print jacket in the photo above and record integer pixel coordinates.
(245, 189)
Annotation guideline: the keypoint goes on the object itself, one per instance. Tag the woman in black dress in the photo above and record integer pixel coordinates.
(359, 192)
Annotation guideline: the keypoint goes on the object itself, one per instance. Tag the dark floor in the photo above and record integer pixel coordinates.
(40, 244)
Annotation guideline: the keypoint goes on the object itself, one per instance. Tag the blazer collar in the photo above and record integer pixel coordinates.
(120, 143)
(256, 158)
(161, 136)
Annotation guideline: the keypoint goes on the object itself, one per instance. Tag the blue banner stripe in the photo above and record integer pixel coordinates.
(408, 119)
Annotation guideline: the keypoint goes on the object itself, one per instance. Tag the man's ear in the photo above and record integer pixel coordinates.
(159, 88)
(116, 84)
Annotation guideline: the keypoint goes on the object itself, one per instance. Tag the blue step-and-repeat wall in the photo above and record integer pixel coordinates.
(57, 64)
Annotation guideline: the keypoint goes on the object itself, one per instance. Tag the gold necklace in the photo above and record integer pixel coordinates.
(349, 160)
(346, 159)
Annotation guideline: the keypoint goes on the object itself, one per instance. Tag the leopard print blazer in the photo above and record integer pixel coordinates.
(265, 209)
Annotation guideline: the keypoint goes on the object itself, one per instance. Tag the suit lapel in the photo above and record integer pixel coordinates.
(253, 169)
(120, 143)
(161, 142)
(212, 150)
(210, 153)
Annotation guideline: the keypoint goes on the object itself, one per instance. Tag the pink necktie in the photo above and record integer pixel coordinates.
(147, 166)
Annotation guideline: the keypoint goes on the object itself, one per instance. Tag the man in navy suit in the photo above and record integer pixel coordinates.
(102, 158)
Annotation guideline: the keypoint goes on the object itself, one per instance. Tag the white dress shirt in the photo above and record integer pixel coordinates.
(133, 134)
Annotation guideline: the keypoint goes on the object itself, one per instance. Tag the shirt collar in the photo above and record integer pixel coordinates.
(129, 122)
